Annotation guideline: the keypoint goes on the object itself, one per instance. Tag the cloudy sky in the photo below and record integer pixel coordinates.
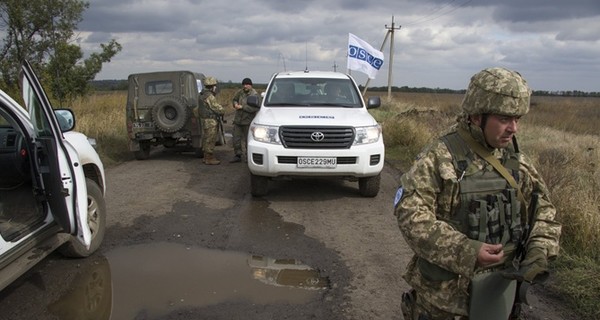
(554, 44)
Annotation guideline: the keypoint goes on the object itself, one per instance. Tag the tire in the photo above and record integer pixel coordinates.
(143, 153)
(369, 186)
(259, 185)
(170, 114)
(96, 220)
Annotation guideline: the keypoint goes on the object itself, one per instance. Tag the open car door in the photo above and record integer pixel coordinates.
(59, 175)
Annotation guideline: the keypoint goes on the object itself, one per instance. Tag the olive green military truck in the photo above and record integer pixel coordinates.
(160, 111)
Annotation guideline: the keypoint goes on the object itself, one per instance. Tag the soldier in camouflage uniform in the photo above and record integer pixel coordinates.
(209, 111)
(243, 117)
(464, 219)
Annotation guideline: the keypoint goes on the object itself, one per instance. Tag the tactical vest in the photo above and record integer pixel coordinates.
(204, 111)
(489, 209)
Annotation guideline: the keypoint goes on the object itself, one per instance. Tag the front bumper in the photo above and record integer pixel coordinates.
(274, 160)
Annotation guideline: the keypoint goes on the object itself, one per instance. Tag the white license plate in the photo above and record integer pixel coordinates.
(143, 125)
(316, 162)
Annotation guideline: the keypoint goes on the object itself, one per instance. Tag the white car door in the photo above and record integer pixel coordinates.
(60, 175)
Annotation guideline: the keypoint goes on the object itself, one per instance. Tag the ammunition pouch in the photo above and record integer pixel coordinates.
(495, 218)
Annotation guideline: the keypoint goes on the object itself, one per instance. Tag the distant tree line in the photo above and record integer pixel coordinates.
(572, 93)
(108, 85)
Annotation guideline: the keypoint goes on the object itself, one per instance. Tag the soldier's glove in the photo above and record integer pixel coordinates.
(533, 269)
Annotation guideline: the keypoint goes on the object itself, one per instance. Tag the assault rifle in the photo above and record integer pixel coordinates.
(221, 129)
(521, 249)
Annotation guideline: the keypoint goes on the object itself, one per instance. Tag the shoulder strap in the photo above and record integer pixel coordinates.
(485, 154)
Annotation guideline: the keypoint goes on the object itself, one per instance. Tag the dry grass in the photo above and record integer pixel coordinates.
(559, 134)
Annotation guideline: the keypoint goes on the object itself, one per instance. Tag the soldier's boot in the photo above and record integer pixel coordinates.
(210, 159)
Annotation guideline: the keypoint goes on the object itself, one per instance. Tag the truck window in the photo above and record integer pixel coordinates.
(159, 87)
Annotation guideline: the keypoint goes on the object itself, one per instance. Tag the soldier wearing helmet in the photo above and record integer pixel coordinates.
(475, 211)
(209, 111)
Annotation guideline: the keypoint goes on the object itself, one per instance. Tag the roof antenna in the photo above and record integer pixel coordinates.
(283, 59)
(306, 56)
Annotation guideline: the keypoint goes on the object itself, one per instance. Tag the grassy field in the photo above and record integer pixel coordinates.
(560, 134)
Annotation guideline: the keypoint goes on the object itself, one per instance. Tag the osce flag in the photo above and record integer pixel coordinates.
(362, 57)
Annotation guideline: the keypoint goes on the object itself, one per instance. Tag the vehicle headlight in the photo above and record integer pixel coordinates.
(267, 134)
(365, 135)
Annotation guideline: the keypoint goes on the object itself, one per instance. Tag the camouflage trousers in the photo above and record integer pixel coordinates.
(209, 134)
(240, 138)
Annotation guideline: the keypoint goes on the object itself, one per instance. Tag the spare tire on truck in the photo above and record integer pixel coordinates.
(170, 114)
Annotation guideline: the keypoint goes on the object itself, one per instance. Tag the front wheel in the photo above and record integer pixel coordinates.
(259, 185)
(369, 186)
(96, 221)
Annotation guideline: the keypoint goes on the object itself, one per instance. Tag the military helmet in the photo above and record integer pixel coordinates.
(497, 91)
(210, 81)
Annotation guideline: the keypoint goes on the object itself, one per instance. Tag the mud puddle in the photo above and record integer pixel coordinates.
(152, 280)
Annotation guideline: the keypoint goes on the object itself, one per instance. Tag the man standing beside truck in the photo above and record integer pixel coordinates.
(243, 117)
(209, 111)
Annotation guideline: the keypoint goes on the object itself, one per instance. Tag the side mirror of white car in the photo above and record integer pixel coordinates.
(66, 119)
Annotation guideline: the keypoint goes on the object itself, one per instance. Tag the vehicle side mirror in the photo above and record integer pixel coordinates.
(253, 101)
(373, 102)
(66, 119)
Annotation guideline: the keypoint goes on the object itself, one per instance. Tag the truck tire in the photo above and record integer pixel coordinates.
(369, 186)
(170, 114)
(259, 185)
(96, 220)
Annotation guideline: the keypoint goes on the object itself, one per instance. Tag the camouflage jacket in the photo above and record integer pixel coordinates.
(208, 107)
(244, 115)
(429, 196)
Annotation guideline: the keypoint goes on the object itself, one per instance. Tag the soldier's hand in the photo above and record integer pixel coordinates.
(533, 269)
(489, 254)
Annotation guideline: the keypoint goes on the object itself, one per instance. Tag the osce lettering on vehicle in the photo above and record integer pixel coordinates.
(316, 117)
(316, 162)
(362, 54)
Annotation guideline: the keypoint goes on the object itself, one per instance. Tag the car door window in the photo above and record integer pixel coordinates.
(34, 105)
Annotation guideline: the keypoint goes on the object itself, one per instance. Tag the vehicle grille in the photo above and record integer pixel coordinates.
(302, 137)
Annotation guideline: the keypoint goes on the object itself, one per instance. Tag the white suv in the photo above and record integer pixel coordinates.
(315, 124)
(51, 183)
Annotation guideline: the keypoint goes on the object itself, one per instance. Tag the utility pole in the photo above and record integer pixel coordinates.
(387, 34)
(390, 79)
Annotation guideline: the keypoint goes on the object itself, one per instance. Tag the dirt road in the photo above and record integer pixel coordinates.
(184, 240)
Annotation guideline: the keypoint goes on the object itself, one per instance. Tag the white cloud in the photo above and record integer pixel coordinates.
(441, 43)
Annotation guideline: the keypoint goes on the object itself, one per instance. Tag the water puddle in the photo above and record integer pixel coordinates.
(152, 280)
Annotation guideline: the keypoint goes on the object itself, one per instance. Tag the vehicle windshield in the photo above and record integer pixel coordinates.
(313, 92)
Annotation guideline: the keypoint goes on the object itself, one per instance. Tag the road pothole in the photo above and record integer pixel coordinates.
(150, 280)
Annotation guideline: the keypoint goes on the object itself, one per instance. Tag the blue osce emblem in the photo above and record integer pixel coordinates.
(398, 196)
